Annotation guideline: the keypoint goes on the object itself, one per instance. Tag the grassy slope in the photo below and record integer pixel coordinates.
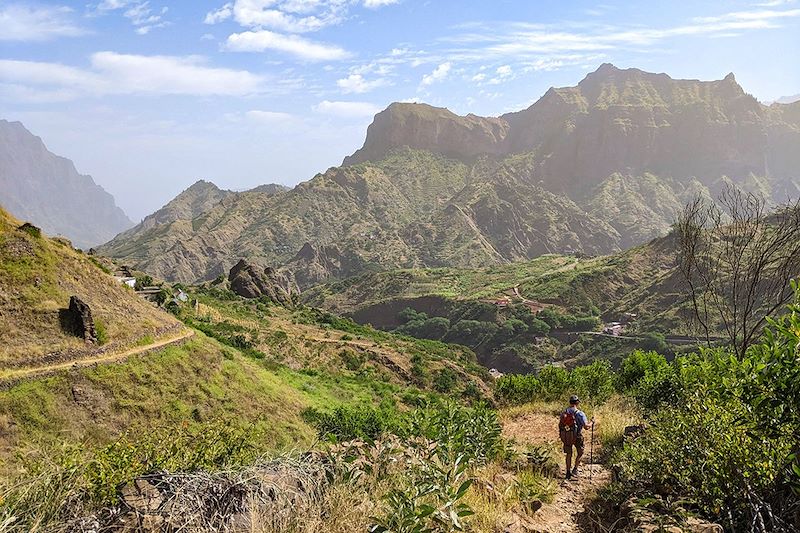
(182, 385)
(306, 338)
(298, 361)
(37, 277)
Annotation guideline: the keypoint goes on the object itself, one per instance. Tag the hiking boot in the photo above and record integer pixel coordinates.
(575, 471)
(569, 475)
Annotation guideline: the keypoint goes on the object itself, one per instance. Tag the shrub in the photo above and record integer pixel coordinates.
(637, 365)
(31, 230)
(348, 423)
(550, 316)
(594, 382)
(101, 331)
(517, 388)
(445, 380)
(702, 453)
(540, 328)
(554, 382)
(655, 342)
(143, 281)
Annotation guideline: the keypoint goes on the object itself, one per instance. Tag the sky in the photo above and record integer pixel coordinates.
(148, 96)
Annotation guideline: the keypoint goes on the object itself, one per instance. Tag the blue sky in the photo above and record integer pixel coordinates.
(148, 96)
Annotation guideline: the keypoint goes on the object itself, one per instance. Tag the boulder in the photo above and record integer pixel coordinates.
(141, 496)
(631, 432)
(279, 287)
(81, 321)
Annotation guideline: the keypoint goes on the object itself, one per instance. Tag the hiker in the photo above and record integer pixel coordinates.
(570, 429)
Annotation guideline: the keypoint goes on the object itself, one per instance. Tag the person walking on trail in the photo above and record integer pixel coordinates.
(571, 424)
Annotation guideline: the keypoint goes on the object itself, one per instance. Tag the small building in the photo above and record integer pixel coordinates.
(125, 280)
(496, 374)
(182, 296)
(502, 302)
(613, 328)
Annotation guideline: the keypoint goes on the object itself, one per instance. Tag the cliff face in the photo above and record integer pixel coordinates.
(431, 128)
(45, 189)
(614, 120)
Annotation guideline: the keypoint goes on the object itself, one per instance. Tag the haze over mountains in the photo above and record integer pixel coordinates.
(45, 189)
(593, 168)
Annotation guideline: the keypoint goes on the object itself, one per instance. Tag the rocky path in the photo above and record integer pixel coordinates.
(20, 374)
(567, 510)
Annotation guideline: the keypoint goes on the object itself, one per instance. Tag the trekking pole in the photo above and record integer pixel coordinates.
(591, 450)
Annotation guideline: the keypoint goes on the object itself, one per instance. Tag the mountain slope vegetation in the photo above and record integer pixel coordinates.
(594, 168)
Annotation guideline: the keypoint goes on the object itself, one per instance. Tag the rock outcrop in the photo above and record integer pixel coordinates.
(39, 186)
(431, 128)
(247, 281)
(80, 319)
(315, 264)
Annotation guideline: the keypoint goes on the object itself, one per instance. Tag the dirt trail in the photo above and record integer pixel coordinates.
(16, 375)
(567, 509)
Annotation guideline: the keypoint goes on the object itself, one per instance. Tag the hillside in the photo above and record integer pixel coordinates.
(594, 169)
(498, 311)
(41, 187)
(258, 362)
(38, 276)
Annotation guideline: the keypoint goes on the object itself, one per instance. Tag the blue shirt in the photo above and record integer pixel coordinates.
(581, 420)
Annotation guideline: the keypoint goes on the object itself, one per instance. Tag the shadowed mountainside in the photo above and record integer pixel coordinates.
(39, 186)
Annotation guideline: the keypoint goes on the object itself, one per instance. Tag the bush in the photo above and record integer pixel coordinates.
(701, 453)
(554, 382)
(348, 423)
(70, 483)
(517, 389)
(593, 383)
(655, 342)
(445, 380)
(550, 316)
(101, 332)
(637, 365)
(729, 447)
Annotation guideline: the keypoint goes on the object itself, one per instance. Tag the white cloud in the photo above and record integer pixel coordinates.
(520, 41)
(374, 4)
(479, 77)
(438, 74)
(270, 117)
(218, 15)
(36, 23)
(143, 17)
(356, 83)
(113, 73)
(293, 16)
(259, 41)
(502, 74)
(347, 109)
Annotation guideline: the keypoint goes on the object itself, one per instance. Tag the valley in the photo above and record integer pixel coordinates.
(390, 346)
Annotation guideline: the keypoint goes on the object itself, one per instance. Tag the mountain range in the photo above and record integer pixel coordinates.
(589, 169)
(45, 189)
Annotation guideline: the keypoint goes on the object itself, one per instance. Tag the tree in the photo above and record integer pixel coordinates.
(738, 260)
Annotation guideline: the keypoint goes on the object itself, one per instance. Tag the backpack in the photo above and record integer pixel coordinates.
(568, 427)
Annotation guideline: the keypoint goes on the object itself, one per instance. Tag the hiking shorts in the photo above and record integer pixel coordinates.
(579, 446)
